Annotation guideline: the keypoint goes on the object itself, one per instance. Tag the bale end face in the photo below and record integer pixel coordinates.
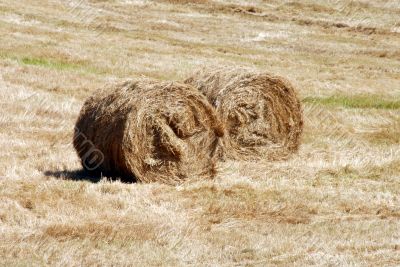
(261, 112)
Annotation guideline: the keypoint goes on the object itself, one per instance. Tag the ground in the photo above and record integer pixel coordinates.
(335, 203)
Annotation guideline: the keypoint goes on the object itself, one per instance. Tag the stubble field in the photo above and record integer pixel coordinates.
(335, 203)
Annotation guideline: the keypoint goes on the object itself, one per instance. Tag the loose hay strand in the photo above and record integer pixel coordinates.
(150, 131)
(261, 112)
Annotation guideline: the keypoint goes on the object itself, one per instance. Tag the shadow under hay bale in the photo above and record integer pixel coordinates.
(148, 131)
(76, 175)
(261, 112)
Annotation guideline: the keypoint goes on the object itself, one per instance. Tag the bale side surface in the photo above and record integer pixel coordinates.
(261, 112)
(149, 131)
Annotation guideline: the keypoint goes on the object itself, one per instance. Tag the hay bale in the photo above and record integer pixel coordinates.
(261, 112)
(149, 131)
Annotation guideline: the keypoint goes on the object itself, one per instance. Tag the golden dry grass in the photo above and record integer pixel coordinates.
(335, 203)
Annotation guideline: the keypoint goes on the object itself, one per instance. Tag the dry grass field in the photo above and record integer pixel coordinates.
(335, 203)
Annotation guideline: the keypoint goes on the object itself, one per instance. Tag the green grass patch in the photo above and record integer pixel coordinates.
(354, 101)
(53, 64)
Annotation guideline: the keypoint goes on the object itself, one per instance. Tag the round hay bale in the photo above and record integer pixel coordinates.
(261, 112)
(148, 131)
